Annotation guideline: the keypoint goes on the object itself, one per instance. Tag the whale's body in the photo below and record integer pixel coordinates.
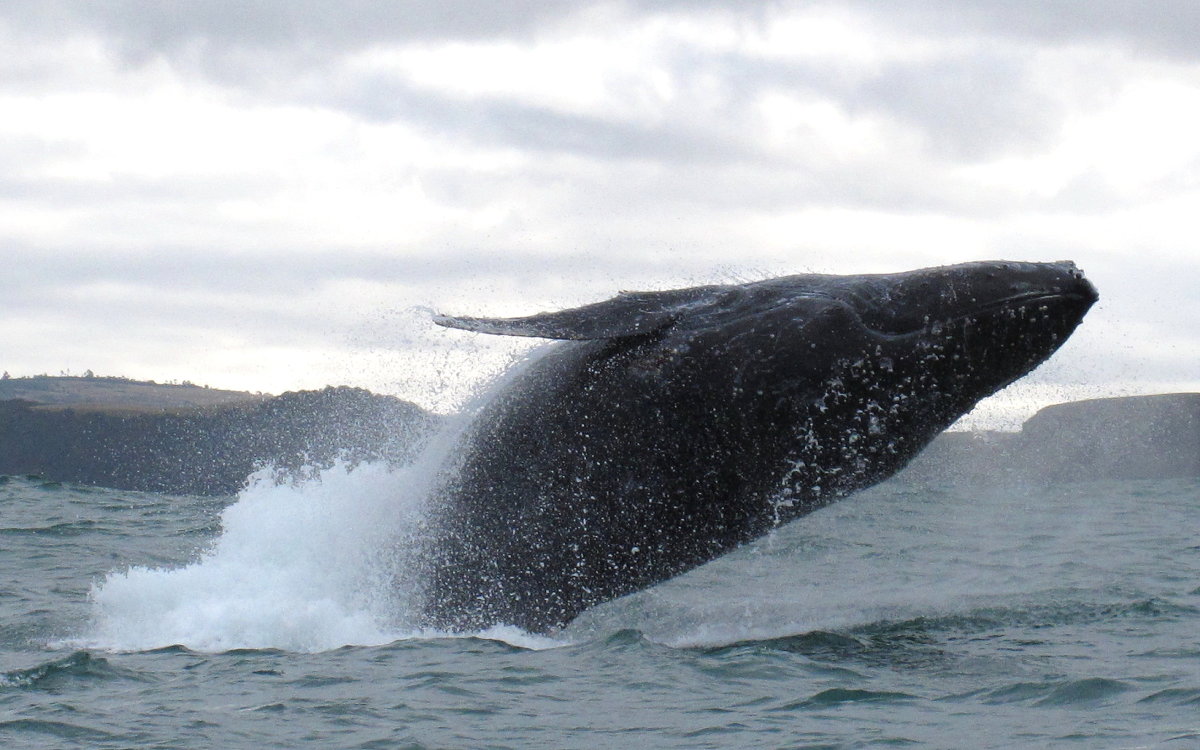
(665, 429)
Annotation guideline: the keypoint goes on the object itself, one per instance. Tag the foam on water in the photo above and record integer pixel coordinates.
(306, 567)
(303, 567)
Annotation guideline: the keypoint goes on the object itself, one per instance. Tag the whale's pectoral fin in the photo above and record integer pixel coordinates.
(627, 314)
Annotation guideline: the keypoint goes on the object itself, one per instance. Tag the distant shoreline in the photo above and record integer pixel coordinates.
(189, 439)
(108, 393)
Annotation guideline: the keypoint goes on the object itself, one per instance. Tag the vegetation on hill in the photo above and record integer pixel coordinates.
(209, 449)
(117, 393)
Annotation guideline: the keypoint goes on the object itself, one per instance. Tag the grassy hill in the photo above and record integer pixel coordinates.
(118, 394)
(193, 440)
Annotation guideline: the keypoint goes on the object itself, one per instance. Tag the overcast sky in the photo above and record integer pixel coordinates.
(272, 195)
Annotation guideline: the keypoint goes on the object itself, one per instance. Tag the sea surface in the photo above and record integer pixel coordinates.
(940, 617)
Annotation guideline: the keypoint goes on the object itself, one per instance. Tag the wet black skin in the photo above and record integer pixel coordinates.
(668, 428)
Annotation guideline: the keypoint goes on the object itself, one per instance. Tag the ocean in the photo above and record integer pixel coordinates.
(903, 616)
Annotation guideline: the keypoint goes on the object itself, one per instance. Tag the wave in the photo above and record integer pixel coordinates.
(836, 696)
(64, 529)
(1177, 696)
(1085, 691)
(1030, 616)
(59, 729)
(908, 637)
(79, 666)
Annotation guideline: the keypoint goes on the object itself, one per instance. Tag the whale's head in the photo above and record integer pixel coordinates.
(986, 323)
(902, 303)
(891, 359)
(896, 358)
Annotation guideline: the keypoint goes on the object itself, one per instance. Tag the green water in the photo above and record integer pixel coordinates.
(994, 617)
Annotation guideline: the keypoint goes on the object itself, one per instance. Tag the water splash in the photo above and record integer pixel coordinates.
(308, 566)
(303, 567)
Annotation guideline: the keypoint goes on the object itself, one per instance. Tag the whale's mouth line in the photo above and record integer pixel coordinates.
(1031, 298)
(1022, 301)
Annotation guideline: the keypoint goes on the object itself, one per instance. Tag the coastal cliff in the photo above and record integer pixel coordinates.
(1132, 437)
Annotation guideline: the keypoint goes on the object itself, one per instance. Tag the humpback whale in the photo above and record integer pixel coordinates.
(661, 430)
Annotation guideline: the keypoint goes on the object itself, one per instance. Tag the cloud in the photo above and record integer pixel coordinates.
(260, 175)
(966, 103)
(493, 121)
(1165, 29)
(144, 28)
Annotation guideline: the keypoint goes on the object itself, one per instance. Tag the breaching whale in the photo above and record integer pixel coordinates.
(664, 429)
